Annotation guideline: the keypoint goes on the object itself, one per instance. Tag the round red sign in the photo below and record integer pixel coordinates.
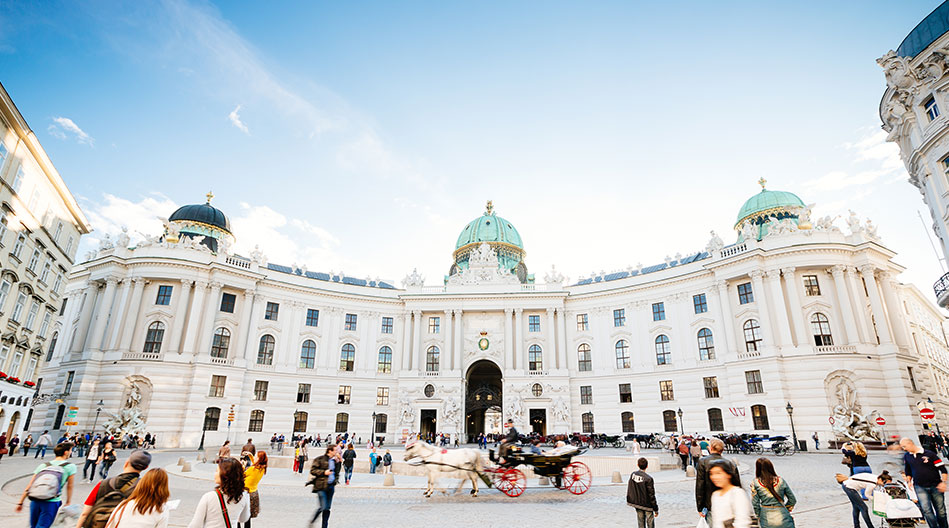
(881, 421)
(927, 414)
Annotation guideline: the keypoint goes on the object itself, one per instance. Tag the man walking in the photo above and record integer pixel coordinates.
(45, 489)
(927, 474)
(349, 460)
(325, 472)
(108, 494)
(703, 485)
(816, 441)
(42, 444)
(641, 494)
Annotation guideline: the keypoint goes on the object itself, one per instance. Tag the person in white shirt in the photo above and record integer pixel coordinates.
(91, 458)
(227, 501)
(146, 506)
(729, 502)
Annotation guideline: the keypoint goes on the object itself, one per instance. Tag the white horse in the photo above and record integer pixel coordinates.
(437, 461)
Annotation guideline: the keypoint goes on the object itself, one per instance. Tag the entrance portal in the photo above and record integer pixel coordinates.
(427, 427)
(483, 400)
(539, 421)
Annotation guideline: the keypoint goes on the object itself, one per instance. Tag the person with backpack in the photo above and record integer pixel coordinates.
(252, 476)
(145, 507)
(349, 460)
(227, 505)
(387, 463)
(42, 443)
(106, 459)
(45, 489)
(108, 494)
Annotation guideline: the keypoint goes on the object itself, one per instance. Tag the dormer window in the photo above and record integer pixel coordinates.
(932, 109)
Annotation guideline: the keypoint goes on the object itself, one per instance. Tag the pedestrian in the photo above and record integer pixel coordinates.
(816, 441)
(730, 505)
(145, 507)
(227, 505)
(81, 442)
(252, 476)
(684, 454)
(771, 497)
(703, 483)
(42, 443)
(45, 489)
(249, 447)
(92, 457)
(855, 486)
(14, 442)
(273, 442)
(3, 445)
(373, 457)
(926, 473)
(641, 495)
(225, 451)
(302, 456)
(325, 472)
(856, 452)
(695, 453)
(387, 463)
(108, 494)
(106, 459)
(349, 460)
(27, 444)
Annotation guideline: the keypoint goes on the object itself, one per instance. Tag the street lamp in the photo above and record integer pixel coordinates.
(96, 422)
(935, 421)
(372, 433)
(204, 429)
(790, 410)
(681, 425)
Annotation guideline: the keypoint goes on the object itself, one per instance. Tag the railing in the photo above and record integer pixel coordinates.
(942, 289)
(259, 366)
(734, 250)
(234, 260)
(141, 356)
(222, 361)
(430, 374)
(537, 373)
(749, 354)
(837, 349)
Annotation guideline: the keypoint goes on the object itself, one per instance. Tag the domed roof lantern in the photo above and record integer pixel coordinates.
(203, 220)
(762, 206)
(498, 233)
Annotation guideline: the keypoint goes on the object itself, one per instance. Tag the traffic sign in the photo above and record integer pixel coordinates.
(831, 420)
(70, 423)
(881, 421)
(927, 413)
(73, 412)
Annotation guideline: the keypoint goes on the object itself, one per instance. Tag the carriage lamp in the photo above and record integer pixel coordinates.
(681, 425)
(790, 410)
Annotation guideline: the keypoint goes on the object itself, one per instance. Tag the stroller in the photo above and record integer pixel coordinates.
(895, 506)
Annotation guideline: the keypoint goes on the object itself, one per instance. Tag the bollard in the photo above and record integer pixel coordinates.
(543, 481)
(617, 478)
(389, 480)
(181, 460)
(690, 471)
(186, 468)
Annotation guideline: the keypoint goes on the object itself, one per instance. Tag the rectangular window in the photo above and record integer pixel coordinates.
(665, 390)
(382, 396)
(31, 369)
(745, 295)
(18, 307)
(303, 393)
(4, 355)
(4, 291)
(350, 323)
(753, 380)
(58, 283)
(344, 394)
(386, 325)
(31, 317)
(17, 361)
(699, 303)
(44, 276)
(47, 319)
(260, 390)
(59, 231)
(70, 376)
(228, 300)
(619, 317)
(811, 286)
(586, 394)
(164, 295)
(69, 246)
(18, 246)
(217, 386)
(932, 109)
(434, 324)
(272, 311)
(909, 370)
(312, 317)
(3, 226)
(625, 393)
(18, 180)
(583, 323)
(659, 311)
(62, 309)
(533, 323)
(34, 259)
(3, 154)
(711, 386)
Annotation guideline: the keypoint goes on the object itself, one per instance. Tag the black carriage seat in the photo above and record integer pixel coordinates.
(491, 456)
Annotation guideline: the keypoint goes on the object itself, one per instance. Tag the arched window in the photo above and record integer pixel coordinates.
(58, 422)
(820, 325)
(715, 422)
(663, 350)
(752, 335)
(156, 331)
(622, 354)
(256, 421)
(535, 358)
(342, 422)
(308, 354)
(382, 421)
(706, 344)
(212, 415)
(759, 416)
(669, 422)
(299, 421)
(222, 339)
(265, 350)
(585, 362)
(385, 360)
(52, 346)
(587, 420)
(629, 426)
(431, 359)
(347, 358)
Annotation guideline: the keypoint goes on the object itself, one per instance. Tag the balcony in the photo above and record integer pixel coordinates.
(837, 349)
(749, 354)
(941, 288)
(222, 361)
(141, 356)
(431, 374)
(537, 373)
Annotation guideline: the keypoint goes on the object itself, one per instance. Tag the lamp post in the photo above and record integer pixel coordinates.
(681, 425)
(790, 410)
(935, 421)
(96, 421)
(204, 429)
(372, 433)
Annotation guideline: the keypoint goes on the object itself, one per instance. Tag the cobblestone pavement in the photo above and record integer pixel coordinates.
(821, 502)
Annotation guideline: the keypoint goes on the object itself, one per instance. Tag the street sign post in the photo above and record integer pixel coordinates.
(881, 421)
(927, 414)
(71, 417)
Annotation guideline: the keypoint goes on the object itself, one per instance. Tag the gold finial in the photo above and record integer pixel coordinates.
(210, 195)
(489, 208)
(762, 183)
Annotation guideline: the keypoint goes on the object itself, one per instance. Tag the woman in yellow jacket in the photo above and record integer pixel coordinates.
(252, 476)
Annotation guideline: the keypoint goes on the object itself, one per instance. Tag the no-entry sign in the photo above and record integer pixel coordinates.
(927, 414)
(881, 421)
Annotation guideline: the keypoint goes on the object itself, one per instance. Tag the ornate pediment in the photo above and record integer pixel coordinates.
(483, 268)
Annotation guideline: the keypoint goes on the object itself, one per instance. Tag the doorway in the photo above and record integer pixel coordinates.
(539, 421)
(13, 423)
(483, 400)
(427, 428)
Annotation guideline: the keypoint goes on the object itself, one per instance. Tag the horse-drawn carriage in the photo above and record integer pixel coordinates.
(574, 477)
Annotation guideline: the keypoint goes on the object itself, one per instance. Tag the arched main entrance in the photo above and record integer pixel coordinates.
(483, 399)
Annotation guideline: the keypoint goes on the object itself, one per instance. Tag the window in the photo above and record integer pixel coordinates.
(706, 344)
(932, 109)
(586, 394)
(535, 358)
(17, 361)
(345, 391)
(272, 311)
(62, 308)
(382, 395)
(59, 231)
(350, 323)
(256, 424)
(312, 317)
(669, 422)
(52, 346)
(622, 354)
(665, 390)
(711, 386)
(4, 355)
(18, 180)
(347, 358)
(69, 246)
(228, 300)
(31, 317)
(386, 325)
(34, 259)
(699, 304)
(658, 312)
(303, 393)
(3, 154)
(58, 282)
(431, 359)
(265, 350)
(31, 368)
(4, 291)
(434, 324)
(909, 371)
(533, 323)
(217, 386)
(583, 323)
(212, 416)
(342, 422)
(308, 354)
(537, 390)
(752, 335)
(429, 391)
(18, 246)
(385, 360)
(619, 317)
(625, 393)
(811, 286)
(629, 426)
(153, 337)
(18, 307)
(382, 421)
(300, 419)
(260, 390)
(715, 422)
(583, 358)
(753, 381)
(821, 328)
(745, 295)
(587, 419)
(759, 416)
(164, 295)
(47, 268)
(220, 342)
(663, 350)
(3, 224)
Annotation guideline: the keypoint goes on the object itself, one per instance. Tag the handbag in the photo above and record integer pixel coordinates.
(227, 520)
(846, 461)
(3, 451)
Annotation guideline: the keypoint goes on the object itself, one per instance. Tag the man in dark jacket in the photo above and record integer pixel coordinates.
(325, 472)
(703, 485)
(349, 460)
(641, 494)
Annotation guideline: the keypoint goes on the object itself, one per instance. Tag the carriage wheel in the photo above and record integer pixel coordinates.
(577, 478)
(510, 482)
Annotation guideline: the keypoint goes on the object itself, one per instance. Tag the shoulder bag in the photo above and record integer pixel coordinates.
(220, 498)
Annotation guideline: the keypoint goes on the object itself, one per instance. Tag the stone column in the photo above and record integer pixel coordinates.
(776, 295)
(202, 342)
(562, 339)
(859, 304)
(551, 333)
(250, 315)
(518, 338)
(876, 304)
(406, 341)
(895, 309)
(724, 314)
(134, 308)
(102, 318)
(88, 305)
(327, 354)
(367, 347)
(417, 341)
(181, 308)
(508, 340)
(290, 351)
(459, 340)
(448, 352)
(794, 300)
(122, 298)
(764, 314)
(846, 308)
(189, 335)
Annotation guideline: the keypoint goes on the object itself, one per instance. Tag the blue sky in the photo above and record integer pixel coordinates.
(363, 136)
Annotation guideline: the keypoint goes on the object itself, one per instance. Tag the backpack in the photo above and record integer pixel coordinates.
(47, 484)
(683, 449)
(106, 502)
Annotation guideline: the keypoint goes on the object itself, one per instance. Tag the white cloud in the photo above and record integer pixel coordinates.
(235, 118)
(873, 146)
(367, 153)
(61, 125)
(836, 180)
(108, 215)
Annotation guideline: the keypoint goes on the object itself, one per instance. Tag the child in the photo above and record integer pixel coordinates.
(641, 494)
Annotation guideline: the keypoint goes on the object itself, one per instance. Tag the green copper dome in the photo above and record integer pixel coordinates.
(767, 202)
(489, 227)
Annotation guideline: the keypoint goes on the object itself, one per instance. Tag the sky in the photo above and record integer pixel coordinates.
(361, 137)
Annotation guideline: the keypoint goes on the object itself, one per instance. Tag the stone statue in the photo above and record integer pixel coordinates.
(553, 276)
(826, 223)
(897, 70)
(413, 280)
(848, 419)
(515, 410)
(715, 243)
(406, 410)
(130, 419)
(561, 411)
(106, 243)
(171, 229)
(749, 231)
(452, 410)
(853, 222)
(258, 256)
(122, 241)
(223, 246)
(871, 230)
(483, 268)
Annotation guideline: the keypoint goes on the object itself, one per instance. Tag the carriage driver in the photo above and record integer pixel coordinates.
(508, 441)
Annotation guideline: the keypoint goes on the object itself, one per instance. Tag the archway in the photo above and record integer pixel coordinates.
(483, 399)
(13, 423)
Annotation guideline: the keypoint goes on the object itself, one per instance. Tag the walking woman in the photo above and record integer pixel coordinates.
(106, 459)
(252, 476)
(224, 452)
(145, 507)
(771, 497)
(92, 457)
(853, 486)
(730, 505)
(227, 505)
(857, 453)
(302, 456)
(27, 443)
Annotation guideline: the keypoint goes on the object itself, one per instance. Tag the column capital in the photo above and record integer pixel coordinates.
(417, 313)
(518, 311)
(249, 293)
(838, 270)
(720, 285)
(788, 270)
(756, 274)
(773, 274)
(508, 311)
(186, 282)
(215, 285)
(550, 311)
(111, 280)
(867, 270)
(200, 284)
(296, 305)
(449, 313)
(138, 280)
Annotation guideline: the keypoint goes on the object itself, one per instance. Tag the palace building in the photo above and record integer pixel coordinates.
(796, 324)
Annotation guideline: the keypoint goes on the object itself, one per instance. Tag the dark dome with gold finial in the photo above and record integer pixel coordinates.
(204, 213)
